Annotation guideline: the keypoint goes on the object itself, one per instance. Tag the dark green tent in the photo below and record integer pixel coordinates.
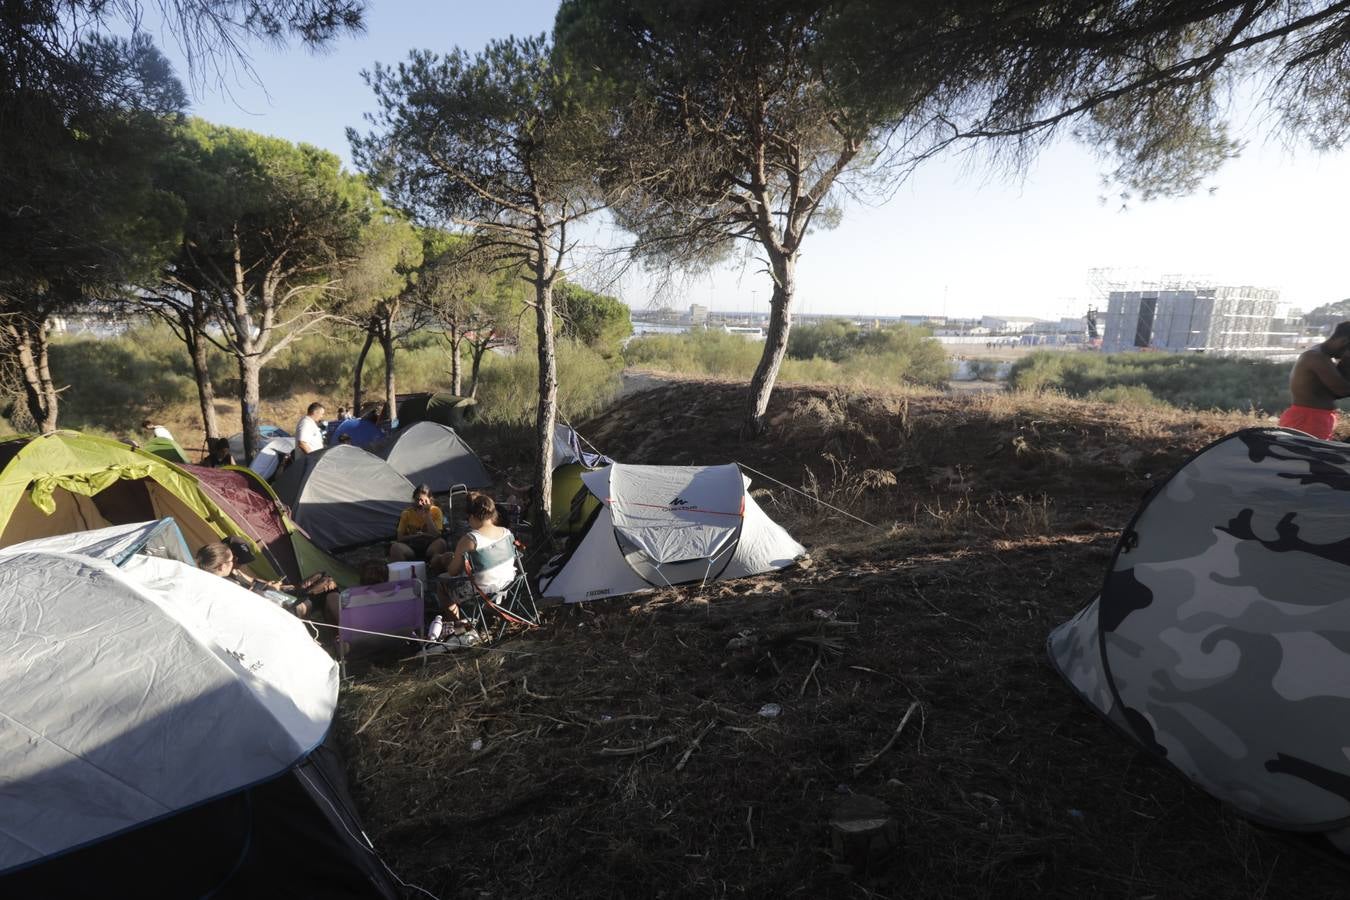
(442, 408)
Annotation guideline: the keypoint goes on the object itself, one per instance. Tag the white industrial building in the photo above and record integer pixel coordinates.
(1229, 321)
(1008, 325)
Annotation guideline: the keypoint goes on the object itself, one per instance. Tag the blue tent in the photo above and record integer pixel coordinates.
(363, 432)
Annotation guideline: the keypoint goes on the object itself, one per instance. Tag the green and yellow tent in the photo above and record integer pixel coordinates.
(67, 482)
(572, 505)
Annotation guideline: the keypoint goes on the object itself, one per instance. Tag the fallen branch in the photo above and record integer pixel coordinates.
(379, 706)
(632, 717)
(807, 680)
(859, 768)
(525, 689)
(679, 766)
(640, 748)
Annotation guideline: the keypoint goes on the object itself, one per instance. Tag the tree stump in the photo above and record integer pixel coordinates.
(863, 834)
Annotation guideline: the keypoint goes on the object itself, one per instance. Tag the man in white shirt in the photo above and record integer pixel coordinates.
(308, 437)
(155, 431)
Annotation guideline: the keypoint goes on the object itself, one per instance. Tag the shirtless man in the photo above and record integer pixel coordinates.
(1319, 379)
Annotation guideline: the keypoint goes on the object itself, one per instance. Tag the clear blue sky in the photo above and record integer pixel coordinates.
(954, 239)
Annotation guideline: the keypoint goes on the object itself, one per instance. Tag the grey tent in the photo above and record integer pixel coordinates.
(265, 434)
(163, 731)
(344, 496)
(1221, 637)
(659, 526)
(431, 453)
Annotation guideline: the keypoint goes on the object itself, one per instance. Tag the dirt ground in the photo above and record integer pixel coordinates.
(623, 750)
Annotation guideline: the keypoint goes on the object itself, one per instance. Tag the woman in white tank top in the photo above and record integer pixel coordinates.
(484, 534)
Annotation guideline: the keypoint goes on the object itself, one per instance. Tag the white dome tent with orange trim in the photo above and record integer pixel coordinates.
(659, 526)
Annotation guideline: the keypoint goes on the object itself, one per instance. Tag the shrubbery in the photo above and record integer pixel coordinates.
(1194, 381)
(112, 384)
(830, 353)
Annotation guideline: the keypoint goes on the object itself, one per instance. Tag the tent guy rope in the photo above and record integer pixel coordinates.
(411, 637)
(809, 497)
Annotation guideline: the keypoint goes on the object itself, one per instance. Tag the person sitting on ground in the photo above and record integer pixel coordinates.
(303, 600)
(1318, 380)
(308, 436)
(218, 453)
(419, 530)
(485, 537)
(373, 571)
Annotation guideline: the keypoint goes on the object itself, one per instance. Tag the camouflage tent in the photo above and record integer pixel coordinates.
(1221, 637)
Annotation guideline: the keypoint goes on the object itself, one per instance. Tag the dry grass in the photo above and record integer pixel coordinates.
(623, 753)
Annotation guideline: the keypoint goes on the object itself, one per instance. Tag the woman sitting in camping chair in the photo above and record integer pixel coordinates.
(488, 548)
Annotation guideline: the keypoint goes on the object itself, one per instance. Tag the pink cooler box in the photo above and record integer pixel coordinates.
(394, 607)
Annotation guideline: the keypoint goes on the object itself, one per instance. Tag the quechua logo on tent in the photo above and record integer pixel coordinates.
(679, 501)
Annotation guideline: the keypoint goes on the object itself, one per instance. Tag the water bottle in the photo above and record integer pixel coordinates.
(435, 628)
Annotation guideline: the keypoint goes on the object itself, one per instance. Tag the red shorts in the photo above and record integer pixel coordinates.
(1319, 423)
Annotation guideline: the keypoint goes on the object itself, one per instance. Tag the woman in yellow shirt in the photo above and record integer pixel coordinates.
(419, 529)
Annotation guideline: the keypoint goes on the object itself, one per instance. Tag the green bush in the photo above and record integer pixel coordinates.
(114, 383)
(696, 353)
(985, 369)
(1133, 395)
(886, 358)
(1194, 381)
(508, 392)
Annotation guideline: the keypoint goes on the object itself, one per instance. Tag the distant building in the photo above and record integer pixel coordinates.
(1231, 321)
(1006, 325)
(749, 332)
(1067, 325)
(923, 321)
(698, 314)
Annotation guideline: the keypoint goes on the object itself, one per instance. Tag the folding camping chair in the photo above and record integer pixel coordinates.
(514, 604)
(456, 518)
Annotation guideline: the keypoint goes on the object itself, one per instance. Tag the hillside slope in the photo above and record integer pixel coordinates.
(623, 748)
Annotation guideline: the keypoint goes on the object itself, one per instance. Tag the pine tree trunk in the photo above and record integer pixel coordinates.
(249, 377)
(206, 390)
(456, 369)
(775, 345)
(548, 409)
(390, 394)
(194, 322)
(476, 364)
(360, 370)
(39, 392)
